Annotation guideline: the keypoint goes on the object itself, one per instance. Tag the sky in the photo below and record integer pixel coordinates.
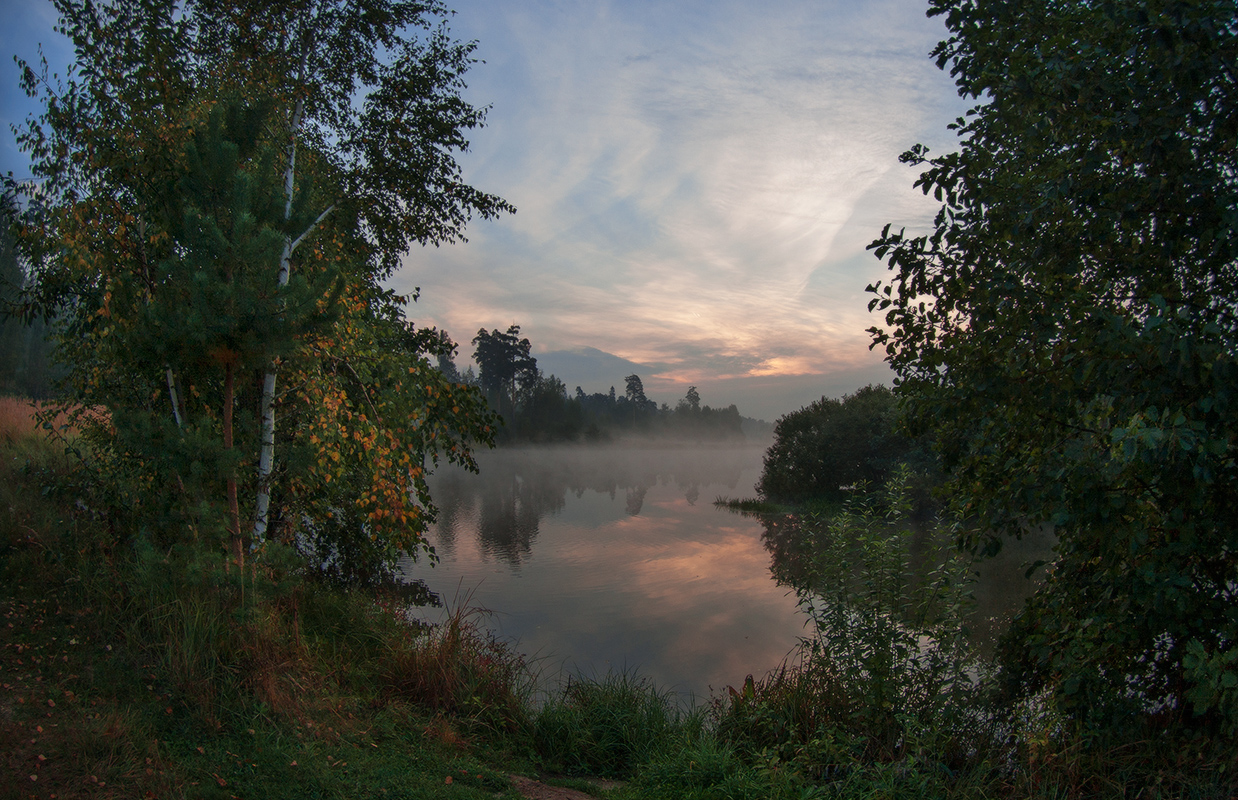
(696, 184)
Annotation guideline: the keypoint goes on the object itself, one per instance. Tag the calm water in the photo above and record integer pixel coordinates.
(604, 559)
(599, 559)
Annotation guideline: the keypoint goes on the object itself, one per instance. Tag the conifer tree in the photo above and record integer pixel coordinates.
(221, 189)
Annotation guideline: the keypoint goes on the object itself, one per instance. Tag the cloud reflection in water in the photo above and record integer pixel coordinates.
(602, 559)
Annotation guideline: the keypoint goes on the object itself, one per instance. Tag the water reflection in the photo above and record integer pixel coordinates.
(517, 488)
(600, 559)
(1000, 587)
(597, 559)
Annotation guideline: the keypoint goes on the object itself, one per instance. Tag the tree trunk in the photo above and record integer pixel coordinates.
(237, 542)
(266, 457)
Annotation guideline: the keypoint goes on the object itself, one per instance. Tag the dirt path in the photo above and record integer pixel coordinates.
(536, 790)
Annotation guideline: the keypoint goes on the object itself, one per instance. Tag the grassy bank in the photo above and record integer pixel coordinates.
(129, 672)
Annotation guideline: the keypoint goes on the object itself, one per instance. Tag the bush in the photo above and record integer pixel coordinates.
(833, 444)
(889, 674)
(610, 726)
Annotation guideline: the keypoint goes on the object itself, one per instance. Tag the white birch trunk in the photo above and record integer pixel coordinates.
(176, 406)
(266, 456)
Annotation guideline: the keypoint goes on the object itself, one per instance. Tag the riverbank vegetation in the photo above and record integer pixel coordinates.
(1064, 336)
(835, 448)
(1065, 332)
(129, 671)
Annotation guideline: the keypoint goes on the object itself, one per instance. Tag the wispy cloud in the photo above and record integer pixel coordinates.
(697, 182)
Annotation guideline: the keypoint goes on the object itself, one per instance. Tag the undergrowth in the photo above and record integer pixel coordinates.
(612, 725)
(127, 670)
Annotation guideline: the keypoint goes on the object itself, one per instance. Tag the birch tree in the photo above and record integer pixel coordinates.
(331, 130)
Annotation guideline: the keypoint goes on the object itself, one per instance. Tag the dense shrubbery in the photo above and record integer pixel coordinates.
(1066, 330)
(834, 445)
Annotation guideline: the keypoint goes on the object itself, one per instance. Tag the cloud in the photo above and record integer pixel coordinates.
(696, 182)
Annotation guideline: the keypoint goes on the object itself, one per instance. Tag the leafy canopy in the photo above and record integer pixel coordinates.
(1068, 330)
(221, 187)
(834, 443)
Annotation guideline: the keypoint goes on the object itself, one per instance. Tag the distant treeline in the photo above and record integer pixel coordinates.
(537, 407)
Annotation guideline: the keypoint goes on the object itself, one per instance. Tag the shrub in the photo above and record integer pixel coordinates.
(833, 444)
(889, 673)
(609, 726)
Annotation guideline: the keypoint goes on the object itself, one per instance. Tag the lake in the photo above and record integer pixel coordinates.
(597, 559)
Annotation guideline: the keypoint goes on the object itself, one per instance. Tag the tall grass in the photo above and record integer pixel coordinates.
(612, 725)
(458, 667)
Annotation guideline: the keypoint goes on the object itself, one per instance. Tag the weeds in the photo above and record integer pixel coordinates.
(137, 671)
(611, 725)
(457, 667)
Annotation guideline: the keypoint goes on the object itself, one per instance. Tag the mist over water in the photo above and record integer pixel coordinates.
(598, 559)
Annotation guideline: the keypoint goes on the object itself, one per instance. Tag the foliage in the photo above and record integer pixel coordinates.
(25, 353)
(691, 401)
(221, 190)
(832, 444)
(505, 366)
(1067, 330)
(888, 673)
(609, 726)
(547, 414)
(635, 391)
(689, 419)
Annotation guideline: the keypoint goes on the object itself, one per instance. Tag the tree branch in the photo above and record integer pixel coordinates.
(292, 247)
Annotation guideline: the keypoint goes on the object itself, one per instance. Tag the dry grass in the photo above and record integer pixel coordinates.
(20, 424)
(24, 439)
(457, 667)
(17, 419)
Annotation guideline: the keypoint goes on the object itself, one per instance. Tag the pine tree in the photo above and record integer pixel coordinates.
(222, 189)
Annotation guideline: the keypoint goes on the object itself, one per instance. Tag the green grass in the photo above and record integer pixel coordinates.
(611, 725)
(759, 506)
(128, 672)
(750, 505)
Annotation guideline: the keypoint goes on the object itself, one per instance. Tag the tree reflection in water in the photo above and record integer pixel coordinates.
(635, 568)
(517, 488)
(1000, 588)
